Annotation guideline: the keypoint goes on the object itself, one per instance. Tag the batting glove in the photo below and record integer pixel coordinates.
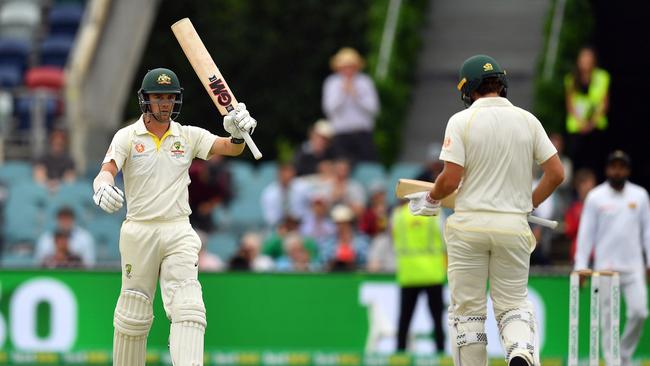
(238, 120)
(421, 204)
(109, 198)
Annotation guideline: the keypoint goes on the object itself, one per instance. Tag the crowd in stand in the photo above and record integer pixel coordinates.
(313, 215)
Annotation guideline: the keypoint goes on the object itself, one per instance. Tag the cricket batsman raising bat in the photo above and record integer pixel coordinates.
(157, 241)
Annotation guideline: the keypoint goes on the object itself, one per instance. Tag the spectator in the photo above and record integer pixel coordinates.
(211, 186)
(208, 262)
(585, 181)
(62, 256)
(274, 245)
(81, 242)
(374, 219)
(350, 102)
(381, 256)
(55, 166)
(346, 191)
(249, 257)
(587, 104)
(421, 268)
(347, 250)
(433, 166)
(282, 197)
(316, 149)
(297, 258)
(317, 223)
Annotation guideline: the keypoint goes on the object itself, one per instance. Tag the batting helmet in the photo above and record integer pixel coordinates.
(476, 69)
(160, 81)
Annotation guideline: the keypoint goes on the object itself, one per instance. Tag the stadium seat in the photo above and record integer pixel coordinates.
(404, 170)
(64, 19)
(16, 260)
(223, 244)
(10, 76)
(24, 222)
(106, 232)
(14, 52)
(241, 215)
(25, 105)
(19, 19)
(46, 77)
(242, 172)
(267, 172)
(368, 172)
(16, 172)
(28, 193)
(55, 51)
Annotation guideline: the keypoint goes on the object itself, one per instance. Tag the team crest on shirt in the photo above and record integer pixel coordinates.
(177, 150)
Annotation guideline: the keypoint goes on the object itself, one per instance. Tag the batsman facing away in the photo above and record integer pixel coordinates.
(156, 239)
(491, 146)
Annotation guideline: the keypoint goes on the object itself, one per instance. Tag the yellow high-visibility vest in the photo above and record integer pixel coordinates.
(586, 105)
(419, 249)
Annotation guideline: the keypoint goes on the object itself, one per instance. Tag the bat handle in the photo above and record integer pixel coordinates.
(542, 222)
(251, 145)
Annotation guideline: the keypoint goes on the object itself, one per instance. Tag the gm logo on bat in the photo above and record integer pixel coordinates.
(219, 89)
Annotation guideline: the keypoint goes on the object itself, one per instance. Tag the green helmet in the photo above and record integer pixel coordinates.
(476, 69)
(160, 81)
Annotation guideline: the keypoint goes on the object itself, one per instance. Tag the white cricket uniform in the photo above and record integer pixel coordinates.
(488, 236)
(615, 226)
(156, 237)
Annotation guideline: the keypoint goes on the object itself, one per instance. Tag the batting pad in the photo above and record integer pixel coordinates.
(188, 325)
(517, 329)
(468, 339)
(132, 321)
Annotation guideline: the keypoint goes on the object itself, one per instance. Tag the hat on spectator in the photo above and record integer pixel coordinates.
(618, 155)
(342, 213)
(324, 128)
(346, 56)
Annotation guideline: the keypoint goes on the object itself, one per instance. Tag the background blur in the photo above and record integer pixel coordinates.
(275, 289)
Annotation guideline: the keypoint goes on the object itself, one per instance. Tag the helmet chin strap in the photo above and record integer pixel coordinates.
(155, 117)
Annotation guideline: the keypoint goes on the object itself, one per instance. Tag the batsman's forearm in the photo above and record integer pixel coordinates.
(223, 146)
(442, 188)
(544, 189)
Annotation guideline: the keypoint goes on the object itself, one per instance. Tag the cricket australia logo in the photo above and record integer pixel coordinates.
(177, 150)
(164, 79)
(127, 270)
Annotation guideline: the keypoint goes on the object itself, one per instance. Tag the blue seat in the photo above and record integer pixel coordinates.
(366, 173)
(28, 193)
(14, 52)
(267, 172)
(55, 51)
(25, 106)
(223, 244)
(242, 172)
(17, 260)
(10, 76)
(397, 172)
(23, 222)
(13, 172)
(64, 19)
(106, 232)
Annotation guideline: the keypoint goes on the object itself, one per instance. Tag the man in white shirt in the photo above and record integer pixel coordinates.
(491, 147)
(615, 226)
(351, 104)
(81, 242)
(156, 239)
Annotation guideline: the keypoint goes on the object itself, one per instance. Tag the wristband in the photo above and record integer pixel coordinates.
(431, 200)
(236, 141)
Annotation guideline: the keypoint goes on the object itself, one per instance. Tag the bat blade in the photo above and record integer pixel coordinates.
(407, 186)
(209, 74)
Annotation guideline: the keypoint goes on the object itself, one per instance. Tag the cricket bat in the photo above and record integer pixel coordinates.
(407, 186)
(209, 74)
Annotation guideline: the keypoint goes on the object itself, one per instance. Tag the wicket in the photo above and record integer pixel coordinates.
(594, 317)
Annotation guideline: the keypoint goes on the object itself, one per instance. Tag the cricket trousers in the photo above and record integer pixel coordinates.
(482, 247)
